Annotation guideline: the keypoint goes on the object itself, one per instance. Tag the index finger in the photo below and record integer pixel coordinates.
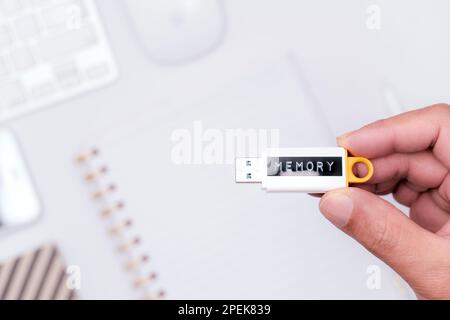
(412, 131)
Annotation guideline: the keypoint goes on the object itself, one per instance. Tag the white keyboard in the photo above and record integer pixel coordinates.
(50, 50)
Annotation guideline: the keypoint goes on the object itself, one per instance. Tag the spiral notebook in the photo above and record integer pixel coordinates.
(188, 231)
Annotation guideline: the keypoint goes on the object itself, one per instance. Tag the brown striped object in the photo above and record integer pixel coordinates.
(36, 275)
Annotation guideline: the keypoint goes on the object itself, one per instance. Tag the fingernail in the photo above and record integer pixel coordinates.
(337, 207)
(342, 137)
(345, 135)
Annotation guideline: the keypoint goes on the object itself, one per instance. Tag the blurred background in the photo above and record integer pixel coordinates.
(120, 120)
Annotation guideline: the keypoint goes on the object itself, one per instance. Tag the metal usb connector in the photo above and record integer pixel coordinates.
(249, 170)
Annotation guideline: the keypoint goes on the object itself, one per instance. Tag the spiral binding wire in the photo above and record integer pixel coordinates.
(118, 227)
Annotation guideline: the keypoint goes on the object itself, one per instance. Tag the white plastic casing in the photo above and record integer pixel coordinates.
(313, 183)
(250, 170)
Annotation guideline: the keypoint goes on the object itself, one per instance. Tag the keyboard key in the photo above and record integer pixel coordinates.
(68, 75)
(70, 15)
(27, 27)
(97, 71)
(65, 44)
(11, 7)
(22, 58)
(5, 38)
(42, 3)
(11, 94)
(42, 90)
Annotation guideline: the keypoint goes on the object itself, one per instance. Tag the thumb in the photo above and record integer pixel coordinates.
(385, 231)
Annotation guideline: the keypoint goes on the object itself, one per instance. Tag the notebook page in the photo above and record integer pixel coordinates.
(208, 237)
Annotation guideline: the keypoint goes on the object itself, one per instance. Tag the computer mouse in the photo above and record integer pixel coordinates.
(177, 30)
(19, 201)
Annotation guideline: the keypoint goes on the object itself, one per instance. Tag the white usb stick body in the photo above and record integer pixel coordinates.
(313, 170)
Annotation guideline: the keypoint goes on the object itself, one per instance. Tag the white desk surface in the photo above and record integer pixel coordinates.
(350, 69)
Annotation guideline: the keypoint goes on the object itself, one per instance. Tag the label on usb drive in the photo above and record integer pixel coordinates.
(304, 166)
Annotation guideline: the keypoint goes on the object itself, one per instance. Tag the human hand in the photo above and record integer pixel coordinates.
(411, 157)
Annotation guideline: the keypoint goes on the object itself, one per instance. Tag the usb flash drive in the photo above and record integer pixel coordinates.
(313, 170)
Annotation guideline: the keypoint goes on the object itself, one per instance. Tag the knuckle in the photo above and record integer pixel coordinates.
(440, 109)
(444, 190)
